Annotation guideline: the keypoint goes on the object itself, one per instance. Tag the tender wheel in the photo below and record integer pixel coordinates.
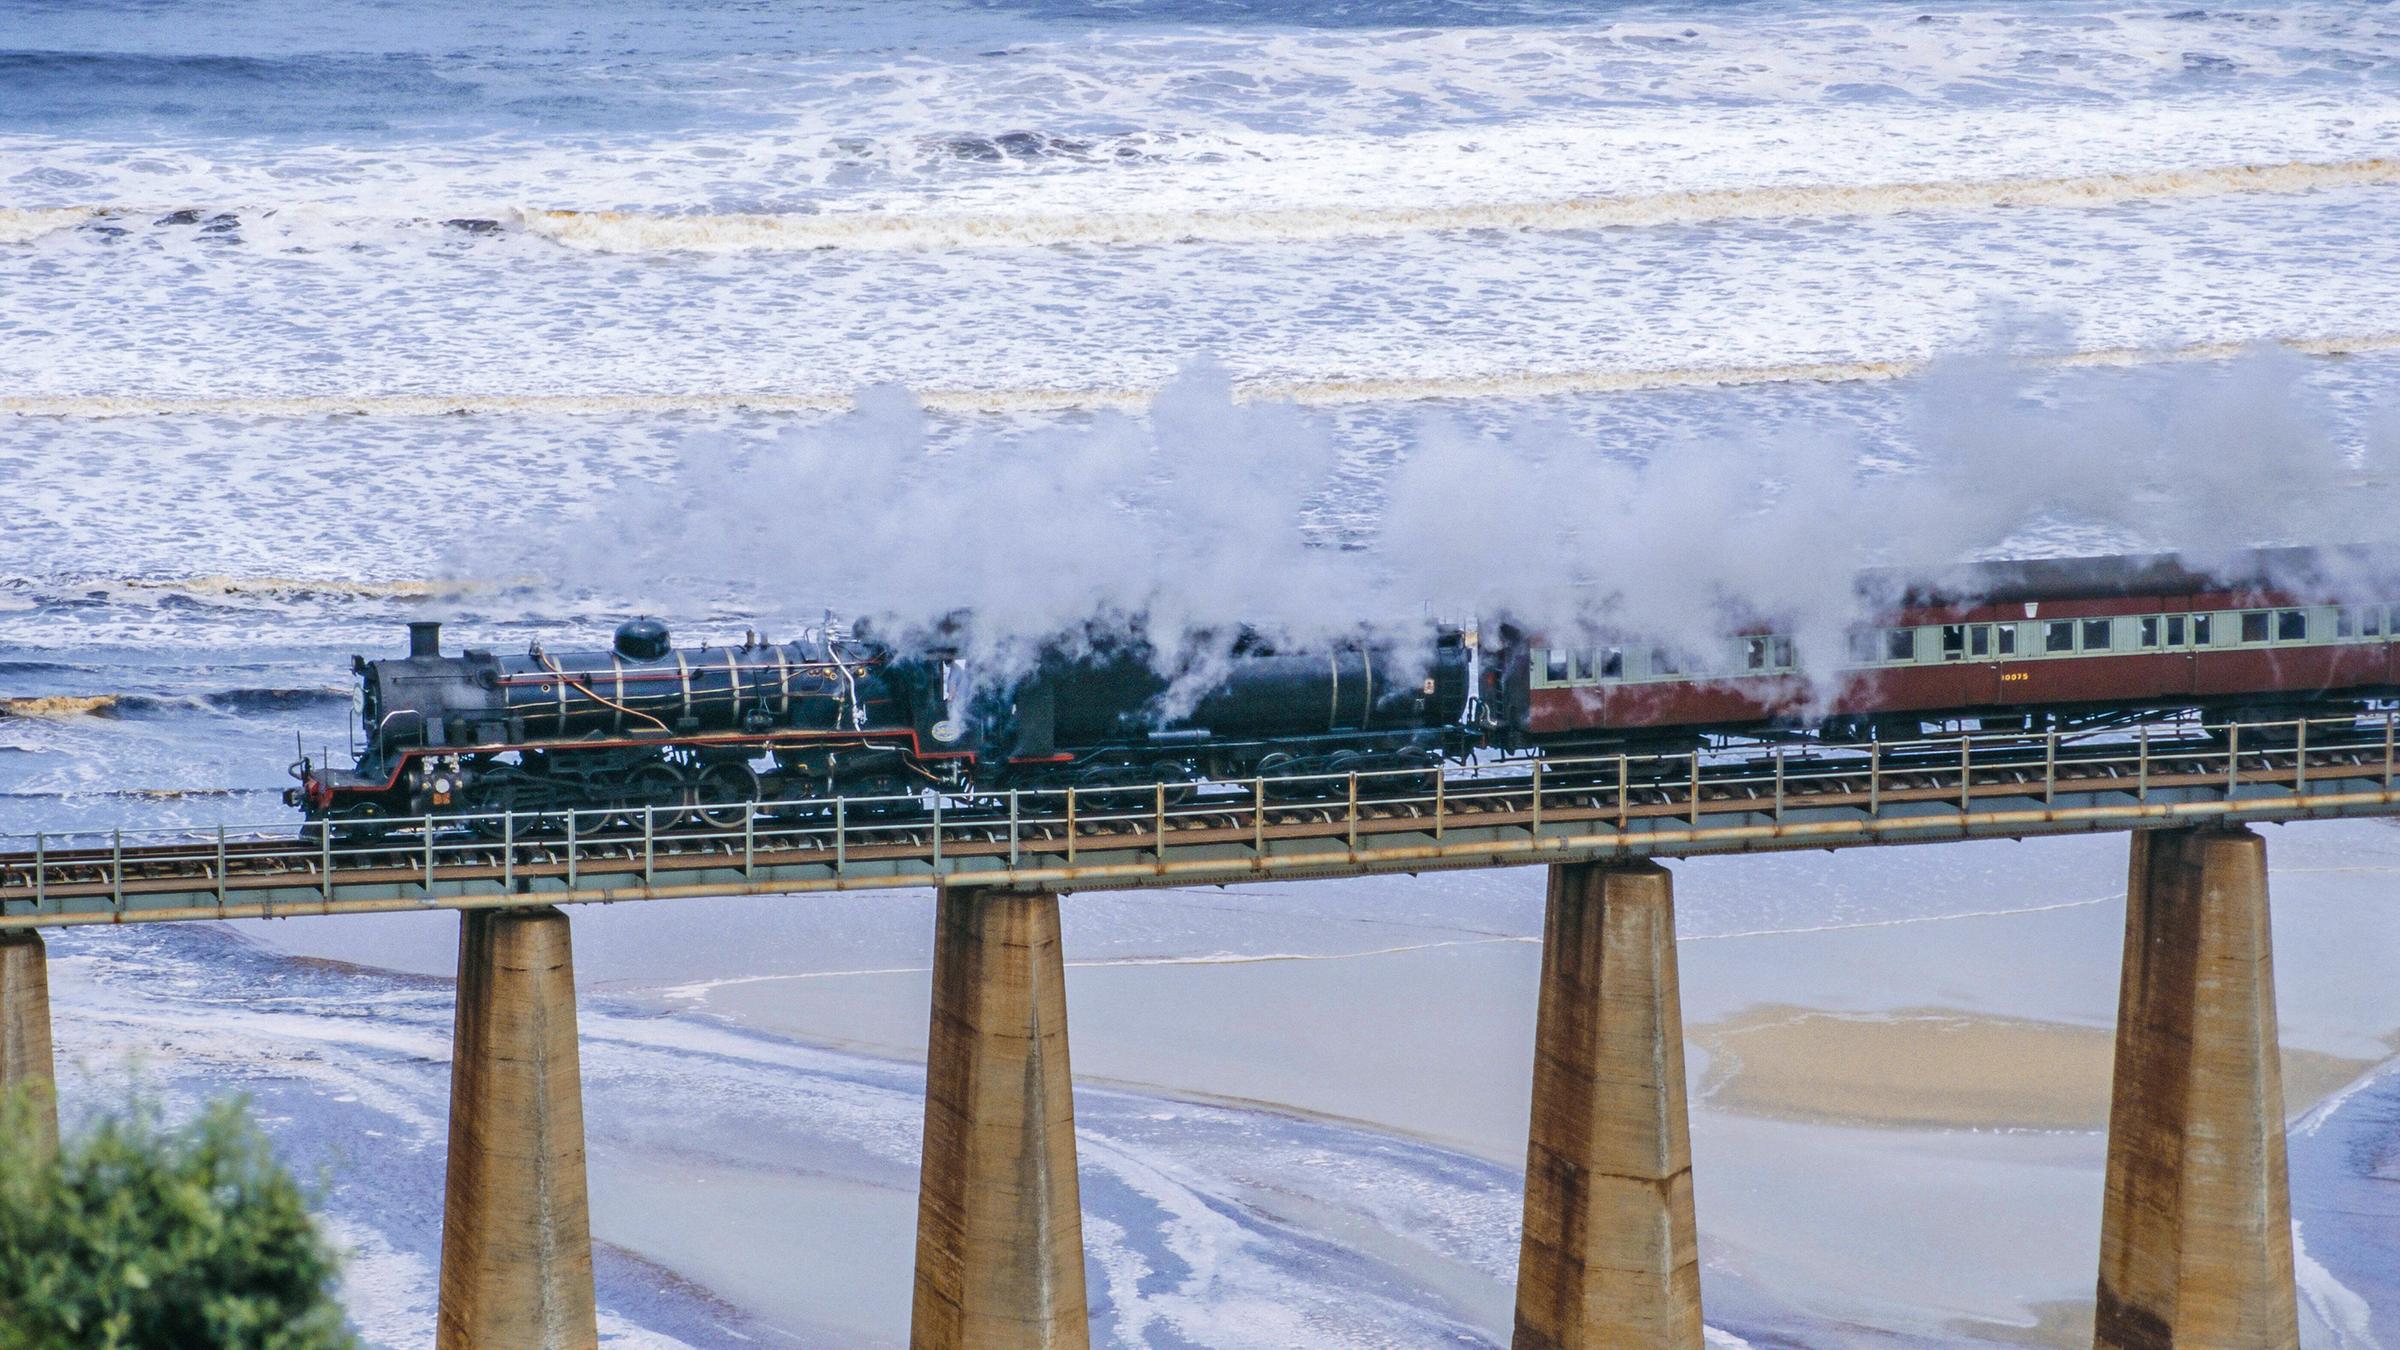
(1177, 780)
(1109, 789)
(1403, 773)
(1274, 771)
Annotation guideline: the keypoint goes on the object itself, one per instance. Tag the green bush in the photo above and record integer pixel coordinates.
(136, 1236)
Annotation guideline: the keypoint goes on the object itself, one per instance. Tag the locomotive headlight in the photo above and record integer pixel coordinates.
(1428, 687)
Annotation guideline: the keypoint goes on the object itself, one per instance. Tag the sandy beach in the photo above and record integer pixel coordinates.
(1938, 1068)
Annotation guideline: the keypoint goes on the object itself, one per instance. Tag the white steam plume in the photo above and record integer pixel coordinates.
(1207, 513)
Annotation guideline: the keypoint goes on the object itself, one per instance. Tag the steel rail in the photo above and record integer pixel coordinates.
(1505, 813)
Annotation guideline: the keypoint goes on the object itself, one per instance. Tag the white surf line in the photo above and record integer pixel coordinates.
(645, 232)
(663, 231)
(2343, 1313)
(1331, 392)
(2323, 1111)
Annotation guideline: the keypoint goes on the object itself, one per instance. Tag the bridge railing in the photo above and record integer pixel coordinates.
(929, 836)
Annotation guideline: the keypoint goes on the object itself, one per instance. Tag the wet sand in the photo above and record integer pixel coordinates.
(1937, 1068)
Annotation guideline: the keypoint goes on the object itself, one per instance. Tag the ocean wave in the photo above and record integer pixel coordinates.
(221, 586)
(20, 225)
(236, 702)
(638, 232)
(664, 231)
(54, 706)
(1325, 392)
(273, 700)
(159, 794)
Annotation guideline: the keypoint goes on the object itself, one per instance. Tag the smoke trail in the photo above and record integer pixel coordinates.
(632, 232)
(1206, 513)
(1332, 392)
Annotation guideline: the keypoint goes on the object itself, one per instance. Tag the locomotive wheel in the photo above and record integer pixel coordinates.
(365, 823)
(505, 790)
(889, 797)
(725, 792)
(656, 794)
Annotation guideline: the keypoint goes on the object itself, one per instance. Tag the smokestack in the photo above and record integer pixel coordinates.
(425, 638)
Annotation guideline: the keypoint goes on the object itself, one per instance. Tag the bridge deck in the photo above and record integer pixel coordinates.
(1502, 814)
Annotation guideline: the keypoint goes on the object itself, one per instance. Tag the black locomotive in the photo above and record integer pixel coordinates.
(704, 733)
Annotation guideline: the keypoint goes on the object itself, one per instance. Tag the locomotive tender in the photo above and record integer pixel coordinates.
(704, 733)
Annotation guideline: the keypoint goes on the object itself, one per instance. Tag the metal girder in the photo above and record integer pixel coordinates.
(1501, 815)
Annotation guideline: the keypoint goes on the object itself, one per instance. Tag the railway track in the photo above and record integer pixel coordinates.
(1108, 836)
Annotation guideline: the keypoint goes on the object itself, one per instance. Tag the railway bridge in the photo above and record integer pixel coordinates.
(2196, 1243)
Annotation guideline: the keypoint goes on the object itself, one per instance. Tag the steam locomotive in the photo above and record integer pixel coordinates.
(707, 733)
(645, 726)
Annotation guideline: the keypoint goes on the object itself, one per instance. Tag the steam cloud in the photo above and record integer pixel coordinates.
(1206, 513)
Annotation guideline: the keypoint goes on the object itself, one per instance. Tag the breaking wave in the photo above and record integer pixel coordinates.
(801, 231)
(633, 232)
(1035, 399)
(215, 587)
(19, 225)
(234, 702)
(60, 705)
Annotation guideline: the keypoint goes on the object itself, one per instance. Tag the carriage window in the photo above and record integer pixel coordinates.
(1862, 645)
(2345, 622)
(1664, 662)
(2202, 626)
(1555, 667)
(1612, 663)
(2370, 621)
(2149, 636)
(1900, 644)
(2095, 634)
(2291, 625)
(2058, 637)
(1582, 664)
(1979, 640)
(1954, 641)
(1783, 654)
(2006, 637)
(2254, 626)
(1755, 653)
(2174, 630)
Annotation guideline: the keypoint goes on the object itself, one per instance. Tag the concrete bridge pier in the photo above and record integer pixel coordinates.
(999, 1217)
(2196, 1233)
(516, 1227)
(1611, 1252)
(25, 1059)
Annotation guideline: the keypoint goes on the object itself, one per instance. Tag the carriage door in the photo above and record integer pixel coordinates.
(1971, 651)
